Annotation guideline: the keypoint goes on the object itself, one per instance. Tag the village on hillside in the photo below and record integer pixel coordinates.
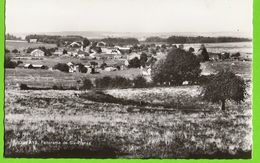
(97, 56)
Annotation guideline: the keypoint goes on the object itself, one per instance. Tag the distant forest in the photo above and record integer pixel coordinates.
(55, 39)
(12, 37)
(120, 41)
(198, 39)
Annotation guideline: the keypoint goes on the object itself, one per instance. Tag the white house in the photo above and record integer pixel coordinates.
(33, 40)
(37, 53)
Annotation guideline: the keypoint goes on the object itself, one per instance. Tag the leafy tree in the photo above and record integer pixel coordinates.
(103, 65)
(120, 82)
(104, 82)
(225, 86)
(82, 68)
(8, 63)
(143, 59)
(134, 63)
(15, 51)
(86, 42)
(177, 67)
(87, 84)
(62, 67)
(139, 82)
(64, 51)
(7, 51)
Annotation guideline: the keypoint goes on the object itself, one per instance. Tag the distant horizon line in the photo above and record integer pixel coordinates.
(105, 34)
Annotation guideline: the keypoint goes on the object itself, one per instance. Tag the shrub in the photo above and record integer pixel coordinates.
(82, 68)
(86, 42)
(139, 82)
(225, 86)
(8, 63)
(64, 51)
(117, 82)
(104, 82)
(62, 67)
(120, 82)
(178, 66)
(87, 84)
(7, 51)
(23, 86)
(134, 63)
(15, 51)
(143, 59)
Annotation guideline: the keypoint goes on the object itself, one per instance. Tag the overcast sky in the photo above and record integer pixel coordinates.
(24, 16)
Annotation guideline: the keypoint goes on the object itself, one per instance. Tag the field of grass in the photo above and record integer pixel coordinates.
(169, 122)
(47, 78)
(63, 124)
(21, 45)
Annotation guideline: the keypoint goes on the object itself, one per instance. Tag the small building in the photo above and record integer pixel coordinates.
(101, 44)
(110, 69)
(29, 66)
(33, 40)
(34, 66)
(39, 67)
(75, 45)
(37, 53)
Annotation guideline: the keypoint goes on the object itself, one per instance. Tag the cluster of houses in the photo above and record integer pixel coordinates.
(122, 55)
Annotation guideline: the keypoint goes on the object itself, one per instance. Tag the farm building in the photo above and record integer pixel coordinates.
(101, 44)
(110, 51)
(33, 40)
(33, 66)
(37, 53)
(75, 45)
(110, 69)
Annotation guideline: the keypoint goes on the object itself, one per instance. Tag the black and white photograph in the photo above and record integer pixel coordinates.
(128, 79)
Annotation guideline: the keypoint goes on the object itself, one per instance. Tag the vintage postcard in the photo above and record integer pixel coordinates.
(128, 79)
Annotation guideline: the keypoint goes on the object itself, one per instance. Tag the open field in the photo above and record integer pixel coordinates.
(47, 78)
(21, 45)
(61, 124)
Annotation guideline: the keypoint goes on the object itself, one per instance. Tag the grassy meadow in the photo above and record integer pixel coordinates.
(64, 124)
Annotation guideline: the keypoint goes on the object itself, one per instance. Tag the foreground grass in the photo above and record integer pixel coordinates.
(63, 124)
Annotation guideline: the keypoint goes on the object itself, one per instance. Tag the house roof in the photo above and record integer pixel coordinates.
(37, 66)
(27, 65)
(37, 50)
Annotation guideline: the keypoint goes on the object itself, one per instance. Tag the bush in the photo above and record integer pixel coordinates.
(117, 82)
(23, 87)
(224, 86)
(15, 51)
(82, 68)
(143, 59)
(139, 82)
(87, 84)
(104, 82)
(120, 82)
(62, 67)
(178, 66)
(7, 51)
(8, 63)
(134, 63)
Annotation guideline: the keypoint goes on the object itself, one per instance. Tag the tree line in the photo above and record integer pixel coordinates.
(198, 39)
